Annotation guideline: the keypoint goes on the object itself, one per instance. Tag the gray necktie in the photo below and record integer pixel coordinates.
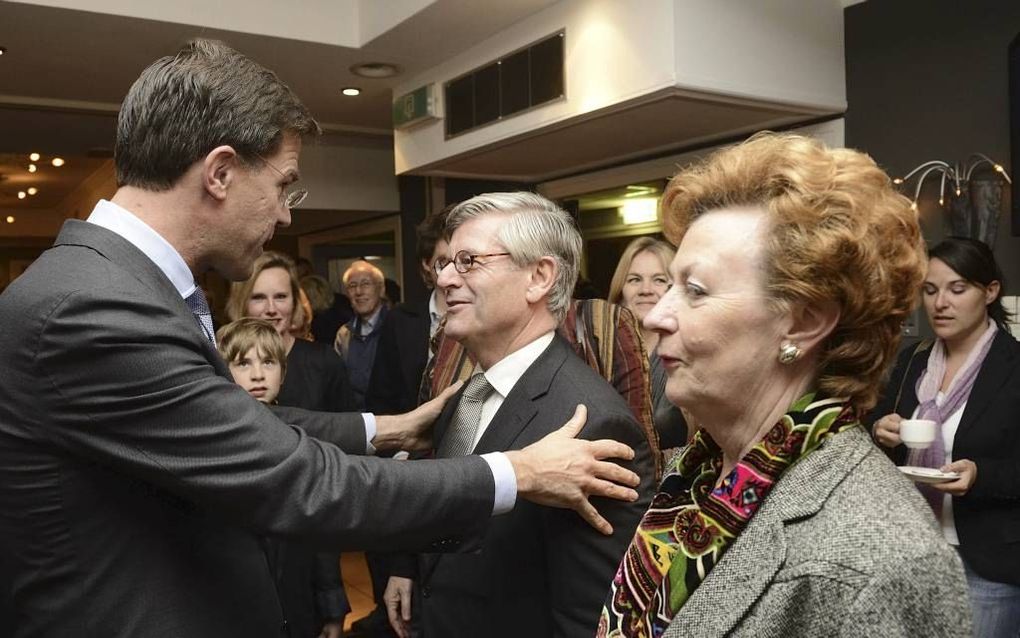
(200, 308)
(460, 436)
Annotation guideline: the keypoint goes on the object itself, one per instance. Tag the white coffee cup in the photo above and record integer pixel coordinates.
(917, 434)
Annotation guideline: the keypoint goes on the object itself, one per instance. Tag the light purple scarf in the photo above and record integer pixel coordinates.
(959, 391)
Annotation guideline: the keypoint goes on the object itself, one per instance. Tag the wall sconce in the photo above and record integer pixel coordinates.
(975, 203)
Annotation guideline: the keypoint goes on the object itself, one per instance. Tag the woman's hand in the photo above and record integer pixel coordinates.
(887, 430)
(968, 474)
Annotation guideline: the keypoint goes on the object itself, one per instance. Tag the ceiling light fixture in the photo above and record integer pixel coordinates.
(32, 190)
(32, 168)
(57, 161)
(375, 70)
(3, 50)
(10, 219)
(351, 91)
(34, 157)
(21, 194)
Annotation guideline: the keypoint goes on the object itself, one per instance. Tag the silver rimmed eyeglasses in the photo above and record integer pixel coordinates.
(463, 261)
(290, 198)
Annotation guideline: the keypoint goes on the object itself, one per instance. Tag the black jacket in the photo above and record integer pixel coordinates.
(988, 516)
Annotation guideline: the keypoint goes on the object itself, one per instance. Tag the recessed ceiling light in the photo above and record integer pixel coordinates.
(32, 168)
(32, 190)
(10, 219)
(21, 194)
(34, 157)
(3, 50)
(375, 70)
(351, 91)
(57, 161)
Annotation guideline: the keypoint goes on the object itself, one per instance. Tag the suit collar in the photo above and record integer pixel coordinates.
(750, 565)
(995, 371)
(143, 237)
(133, 261)
(520, 406)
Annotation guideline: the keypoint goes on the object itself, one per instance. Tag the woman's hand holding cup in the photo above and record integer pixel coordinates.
(887, 430)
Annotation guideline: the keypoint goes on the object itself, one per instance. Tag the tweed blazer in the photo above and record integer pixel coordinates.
(843, 546)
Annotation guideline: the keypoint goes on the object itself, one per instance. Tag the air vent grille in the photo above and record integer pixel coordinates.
(511, 85)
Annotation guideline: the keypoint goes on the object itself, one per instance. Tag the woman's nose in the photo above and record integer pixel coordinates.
(662, 316)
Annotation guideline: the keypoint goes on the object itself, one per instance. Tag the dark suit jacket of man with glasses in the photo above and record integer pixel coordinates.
(540, 571)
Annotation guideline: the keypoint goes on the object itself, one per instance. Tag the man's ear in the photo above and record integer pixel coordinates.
(219, 169)
(543, 276)
(811, 325)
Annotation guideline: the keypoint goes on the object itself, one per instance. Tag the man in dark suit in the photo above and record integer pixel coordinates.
(135, 477)
(542, 572)
(403, 349)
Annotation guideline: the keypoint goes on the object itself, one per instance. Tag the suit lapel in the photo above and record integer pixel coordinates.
(749, 567)
(123, 253)
(995, 371)
(521, 405)
(513, 416)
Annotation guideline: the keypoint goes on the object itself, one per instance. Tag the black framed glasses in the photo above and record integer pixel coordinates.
(463, 261)
(290, 198)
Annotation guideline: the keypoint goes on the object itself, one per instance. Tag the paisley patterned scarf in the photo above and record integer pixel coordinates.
(691, 523)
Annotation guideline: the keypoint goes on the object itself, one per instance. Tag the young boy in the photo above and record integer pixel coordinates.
(311, 591)
(256, 356)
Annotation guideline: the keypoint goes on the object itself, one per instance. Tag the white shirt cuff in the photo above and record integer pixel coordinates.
(506, 482)
(370, 430)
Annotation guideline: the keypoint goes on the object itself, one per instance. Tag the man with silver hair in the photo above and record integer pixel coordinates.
(512, 264)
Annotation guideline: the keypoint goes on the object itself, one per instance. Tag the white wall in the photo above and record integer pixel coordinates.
(349, 173)
(615, 50)
(788, 51)
(347, 23)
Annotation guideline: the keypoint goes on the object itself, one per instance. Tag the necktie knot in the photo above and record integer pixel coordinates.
(459, 438)
(478, 388)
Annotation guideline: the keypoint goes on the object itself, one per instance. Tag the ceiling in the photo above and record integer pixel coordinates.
(65, 73)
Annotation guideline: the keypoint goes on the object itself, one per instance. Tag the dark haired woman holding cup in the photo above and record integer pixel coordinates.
(968, 383)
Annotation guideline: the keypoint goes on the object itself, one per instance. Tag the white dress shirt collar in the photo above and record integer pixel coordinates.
(122, 222)
(506, 372)
(434, 315)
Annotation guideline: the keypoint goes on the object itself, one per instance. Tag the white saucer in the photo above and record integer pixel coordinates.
(928, 474)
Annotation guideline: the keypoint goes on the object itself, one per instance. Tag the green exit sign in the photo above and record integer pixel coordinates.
(414, 107)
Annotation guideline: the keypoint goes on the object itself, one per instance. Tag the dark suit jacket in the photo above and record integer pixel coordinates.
(400, 359)
(988, 516)
(542, 571)
(136, 477)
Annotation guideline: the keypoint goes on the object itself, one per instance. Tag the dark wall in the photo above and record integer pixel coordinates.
(927, 79)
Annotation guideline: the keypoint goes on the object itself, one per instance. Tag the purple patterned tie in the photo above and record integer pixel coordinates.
(200, 308)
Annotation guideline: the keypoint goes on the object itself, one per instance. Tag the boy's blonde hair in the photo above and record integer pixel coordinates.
(238, 337)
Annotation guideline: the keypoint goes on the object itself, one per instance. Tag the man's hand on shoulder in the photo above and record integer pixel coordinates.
(412, 431)
(563, 471)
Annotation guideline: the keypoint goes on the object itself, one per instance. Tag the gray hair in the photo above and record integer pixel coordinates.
(185, 105)
(363, 266)
(535, 228)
